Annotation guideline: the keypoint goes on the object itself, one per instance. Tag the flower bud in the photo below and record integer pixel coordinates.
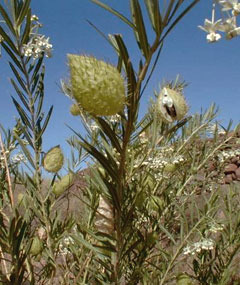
(171, 105)
(97, 86)
(63, 184)
(53, 160)
(75, 110)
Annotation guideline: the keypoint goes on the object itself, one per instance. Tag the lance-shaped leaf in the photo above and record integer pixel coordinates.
(20, 94)
(179, 18)
(45, 123)
(25, 150)
(13, 57)
(23, 12)
(154, 15)
(18, 77)
(123, 53)
(140, 31)
(114, 12)
(110, 134)
(27, 29)
(23, 115)
(7, 20)
(8, 40)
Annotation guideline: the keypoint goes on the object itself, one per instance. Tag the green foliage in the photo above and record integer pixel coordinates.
(147, 210)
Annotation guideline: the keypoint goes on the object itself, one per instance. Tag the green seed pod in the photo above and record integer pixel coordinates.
(97, 86)
(63, 184)
(37, 246)
(53, 160)
(75, 110)
(171, 105)
(170, 167)
(184, 279)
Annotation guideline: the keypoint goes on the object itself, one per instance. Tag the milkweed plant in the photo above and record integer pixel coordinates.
(138, 203)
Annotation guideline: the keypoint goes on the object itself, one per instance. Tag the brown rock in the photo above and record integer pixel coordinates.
(234, 176)
(234, 160)
(230, 168)
(227, 179)
(238, 162)
(237, 172)
(211, 166)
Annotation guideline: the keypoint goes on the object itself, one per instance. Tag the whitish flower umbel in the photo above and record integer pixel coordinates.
(98, 87)
(38, 45)
(171, 105)
(53, 160)
(211, 27)
(229, 26)
(204, 244)
(233, 5)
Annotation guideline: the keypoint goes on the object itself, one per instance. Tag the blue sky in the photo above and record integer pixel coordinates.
(211, 69)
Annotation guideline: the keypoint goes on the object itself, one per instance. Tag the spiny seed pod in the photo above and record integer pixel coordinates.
(53, 160)
(37, 246)
(63, 184)
(97, 86)
(183, 279)
(75, 110)
(171, 105)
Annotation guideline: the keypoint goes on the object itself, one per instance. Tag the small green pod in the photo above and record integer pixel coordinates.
(37, 246)
(184, 279)
(53, 160)
(63, 184)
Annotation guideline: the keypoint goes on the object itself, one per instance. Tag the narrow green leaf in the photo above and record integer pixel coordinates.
(23, 12)
(13, 57)
(27, 136)
(169, 9)
(22, 114)
(45, 123)
(20, 94)
(40, 102)
(179, 18)
(154, 15)
(7, 20)
(18, 77)
(8, 40)
(140, 31)
(110, 133)
(27, 29)
(114, 12)
(25, 150)
(36, 69)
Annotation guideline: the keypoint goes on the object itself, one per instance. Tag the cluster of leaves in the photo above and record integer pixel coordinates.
(137, 215)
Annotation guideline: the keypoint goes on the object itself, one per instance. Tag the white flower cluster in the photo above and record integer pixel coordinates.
(115, 118)
(204, 244)
(64, 245)
(227, 154)
(7, 152)
(215, 227)
(17, 158)
(38, 45)
(227, 26)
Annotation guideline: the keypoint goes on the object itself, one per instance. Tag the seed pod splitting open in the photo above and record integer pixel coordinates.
(98, 87)
(171, 105)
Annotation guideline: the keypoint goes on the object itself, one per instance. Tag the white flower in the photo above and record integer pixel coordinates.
(34, 18)
(230, 5)
(211, 27)
(230, 27)
(204, 244)
(36, 46)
